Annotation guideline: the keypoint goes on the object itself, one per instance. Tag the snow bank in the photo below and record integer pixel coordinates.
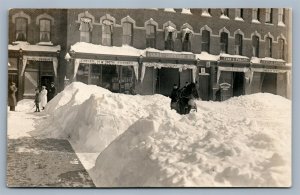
(244, 141)
(240, 142)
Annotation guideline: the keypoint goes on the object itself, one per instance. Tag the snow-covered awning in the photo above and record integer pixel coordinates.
(78, 61)
(267, 61)
(27, 47)
(207, 57)
(125, 50)
(168, 65)
(40, 58)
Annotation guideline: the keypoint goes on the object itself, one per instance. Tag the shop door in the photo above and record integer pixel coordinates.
(204, 86)
(30, 83)
(238, 83)
(167, 77)
(269, 83)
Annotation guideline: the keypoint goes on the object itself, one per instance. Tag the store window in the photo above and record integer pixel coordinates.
(107, 33)
(269, 47)
(169, 43)
(255, 46)
(205, 41)
(150, 36)
(281, 49)
(239, 44)
(45, 30)
(186, 44)
(83, 73)
(85, 29)
(127, 33)
(224, 42)
(21, 29)
(269, 15)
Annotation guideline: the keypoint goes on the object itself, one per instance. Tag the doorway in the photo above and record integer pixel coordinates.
(269, 83)
(166, 78)
(238, 83)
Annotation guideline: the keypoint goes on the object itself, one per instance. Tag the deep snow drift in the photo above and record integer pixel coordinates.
(245, 141)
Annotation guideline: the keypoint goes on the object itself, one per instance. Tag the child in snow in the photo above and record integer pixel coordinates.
(37, 100)
(44, 97)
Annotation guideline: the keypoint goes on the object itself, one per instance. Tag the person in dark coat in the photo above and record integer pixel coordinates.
(174, 96)
(218, 95)
(37, 100)
(12, 101)
(51, 92)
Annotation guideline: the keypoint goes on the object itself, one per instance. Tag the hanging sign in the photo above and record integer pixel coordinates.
(271, 62)
(234, 59)
(225, 86)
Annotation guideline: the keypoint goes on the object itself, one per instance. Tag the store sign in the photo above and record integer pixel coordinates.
(233, 69)
(225, 86)
(108, 62)
(40, 58)
(170, 55)
(268, 70)
(233, 59)
(266, 62)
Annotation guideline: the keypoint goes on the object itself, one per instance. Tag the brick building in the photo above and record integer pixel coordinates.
(242, 50)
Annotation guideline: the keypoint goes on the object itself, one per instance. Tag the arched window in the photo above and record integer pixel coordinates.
(186, 43)
(45, 30)
(169, 43)
(239, 44)
(151, 36)
(281, 49)
(224, 42)
(107, 32)
(268, 47)
(205, 41)
(85, 29)
(127, 33)
(21, 29)
(255, 46)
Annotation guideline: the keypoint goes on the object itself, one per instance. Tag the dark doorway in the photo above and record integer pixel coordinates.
(269, 83)
(46, 81)
(238, 83)
(166, 78)
(204, 86)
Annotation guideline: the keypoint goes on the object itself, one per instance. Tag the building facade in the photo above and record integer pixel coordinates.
(243, 51)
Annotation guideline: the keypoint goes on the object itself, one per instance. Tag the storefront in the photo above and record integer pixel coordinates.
(117, 76)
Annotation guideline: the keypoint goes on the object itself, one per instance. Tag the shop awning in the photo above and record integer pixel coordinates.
(25, 46)
(134, 64)
(40, 58)
(169, 65)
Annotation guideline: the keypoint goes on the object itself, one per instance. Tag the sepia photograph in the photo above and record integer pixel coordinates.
(152, 97)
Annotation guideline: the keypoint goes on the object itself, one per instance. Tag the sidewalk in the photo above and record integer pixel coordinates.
(44, 163)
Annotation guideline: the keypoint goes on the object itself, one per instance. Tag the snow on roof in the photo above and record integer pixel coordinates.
(82, 47)
(233, 56)
(206, 56)
(205, 14)
(28, 47)
(167, 51)
(224, 17)
(186, 11)
(170, 10)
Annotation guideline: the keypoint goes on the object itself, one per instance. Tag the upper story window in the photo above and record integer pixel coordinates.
(107, 30)
(206, 12)
(85, 29)
(186, 43)
(21, 29)
(281, 17)
(150, 36)
(281, 49)
(239, 14)
(170, 35)
(45, 30)
(255, 46)
(239, 44)
(268, 47)
(169, 43)
(256, 15)
(269, 15)
(224, 13)
(127, 33)
(224, 42)
(205, 41)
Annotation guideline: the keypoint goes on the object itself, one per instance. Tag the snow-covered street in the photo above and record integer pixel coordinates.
(137, 141)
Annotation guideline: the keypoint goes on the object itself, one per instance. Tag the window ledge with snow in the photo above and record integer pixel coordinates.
(255, 21)
(45, 43)
(281, 24)
(169, 10)
(239, 19)
(224, 17)
(205, 14)
(186, 11)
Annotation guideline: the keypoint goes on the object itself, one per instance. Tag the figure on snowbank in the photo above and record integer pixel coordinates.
(12, 101)
(51, 92)
(37, 100)
(174, 97)
(43, 97)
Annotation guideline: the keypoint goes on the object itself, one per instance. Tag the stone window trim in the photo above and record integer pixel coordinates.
(128, 19)
(85, 14)
(151, 22)
(21, 14)
(206, 28)
(44, 16)
(170, 27)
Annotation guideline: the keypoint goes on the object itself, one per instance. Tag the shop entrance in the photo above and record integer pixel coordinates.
(269, 83)
(204, 86)
(166, 78)
(238, 83)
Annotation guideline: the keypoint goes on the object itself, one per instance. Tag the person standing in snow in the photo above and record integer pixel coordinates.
(37, 100)
(43, 97)
(51, 91)
(218, 95)
(174, 97)
(12, 101)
